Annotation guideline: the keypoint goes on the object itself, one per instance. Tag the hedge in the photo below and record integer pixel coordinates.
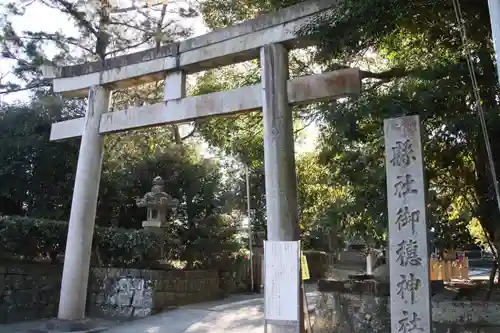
(24, 238)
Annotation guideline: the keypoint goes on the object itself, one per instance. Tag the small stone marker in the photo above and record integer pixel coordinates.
(408, 253)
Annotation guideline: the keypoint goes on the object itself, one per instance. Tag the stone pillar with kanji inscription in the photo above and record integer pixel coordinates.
(408, 242)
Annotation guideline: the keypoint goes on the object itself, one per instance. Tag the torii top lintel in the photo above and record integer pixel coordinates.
(221, 47)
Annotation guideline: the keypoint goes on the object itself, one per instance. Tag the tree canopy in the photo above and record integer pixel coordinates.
(413, 61)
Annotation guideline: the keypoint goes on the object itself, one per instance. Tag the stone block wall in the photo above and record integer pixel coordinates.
(364, 307)
(29, 291)
(131, 293)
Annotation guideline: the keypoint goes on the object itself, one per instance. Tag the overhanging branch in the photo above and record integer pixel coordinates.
(19, 89)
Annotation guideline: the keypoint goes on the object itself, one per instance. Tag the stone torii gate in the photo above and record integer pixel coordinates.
(268, 37)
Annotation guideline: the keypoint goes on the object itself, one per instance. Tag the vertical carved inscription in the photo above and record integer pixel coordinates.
(408, 253)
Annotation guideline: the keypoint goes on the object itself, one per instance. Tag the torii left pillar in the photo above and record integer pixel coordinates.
(83, 210)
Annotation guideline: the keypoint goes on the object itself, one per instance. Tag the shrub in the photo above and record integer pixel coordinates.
(116, 247)
(24, 238)
(211, 244)
(30, 239)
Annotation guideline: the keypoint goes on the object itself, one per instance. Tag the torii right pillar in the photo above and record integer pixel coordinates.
(279, 156)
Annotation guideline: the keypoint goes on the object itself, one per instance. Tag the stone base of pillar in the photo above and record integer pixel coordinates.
(67, 326)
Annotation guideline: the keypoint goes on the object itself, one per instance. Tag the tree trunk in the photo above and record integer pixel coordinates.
(491, 283)
(103, 36)
(177, 134)
(488, 211)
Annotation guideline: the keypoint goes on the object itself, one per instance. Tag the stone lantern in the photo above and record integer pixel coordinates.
(160, 205)
(161, 209)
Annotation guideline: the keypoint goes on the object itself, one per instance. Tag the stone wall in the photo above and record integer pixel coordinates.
(130, 293)
(364, 307)
(29, 291)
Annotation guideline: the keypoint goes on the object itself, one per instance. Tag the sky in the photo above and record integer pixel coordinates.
(31, 21)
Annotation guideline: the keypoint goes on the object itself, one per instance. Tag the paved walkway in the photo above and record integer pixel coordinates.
(242, 316)
(237, 314)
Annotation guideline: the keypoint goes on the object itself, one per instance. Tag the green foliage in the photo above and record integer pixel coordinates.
(36, 175)
(195, 182)
(241, 136)
(352, 145)
(246, 132)
(420, 67)
(477, 232)
(223, 13)
(416, 50)
(35, 239)
(37, 178)
(104, 31)
(422, 70)
(216, 244)
(315, 194)
(118, 247)
(409, 33)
